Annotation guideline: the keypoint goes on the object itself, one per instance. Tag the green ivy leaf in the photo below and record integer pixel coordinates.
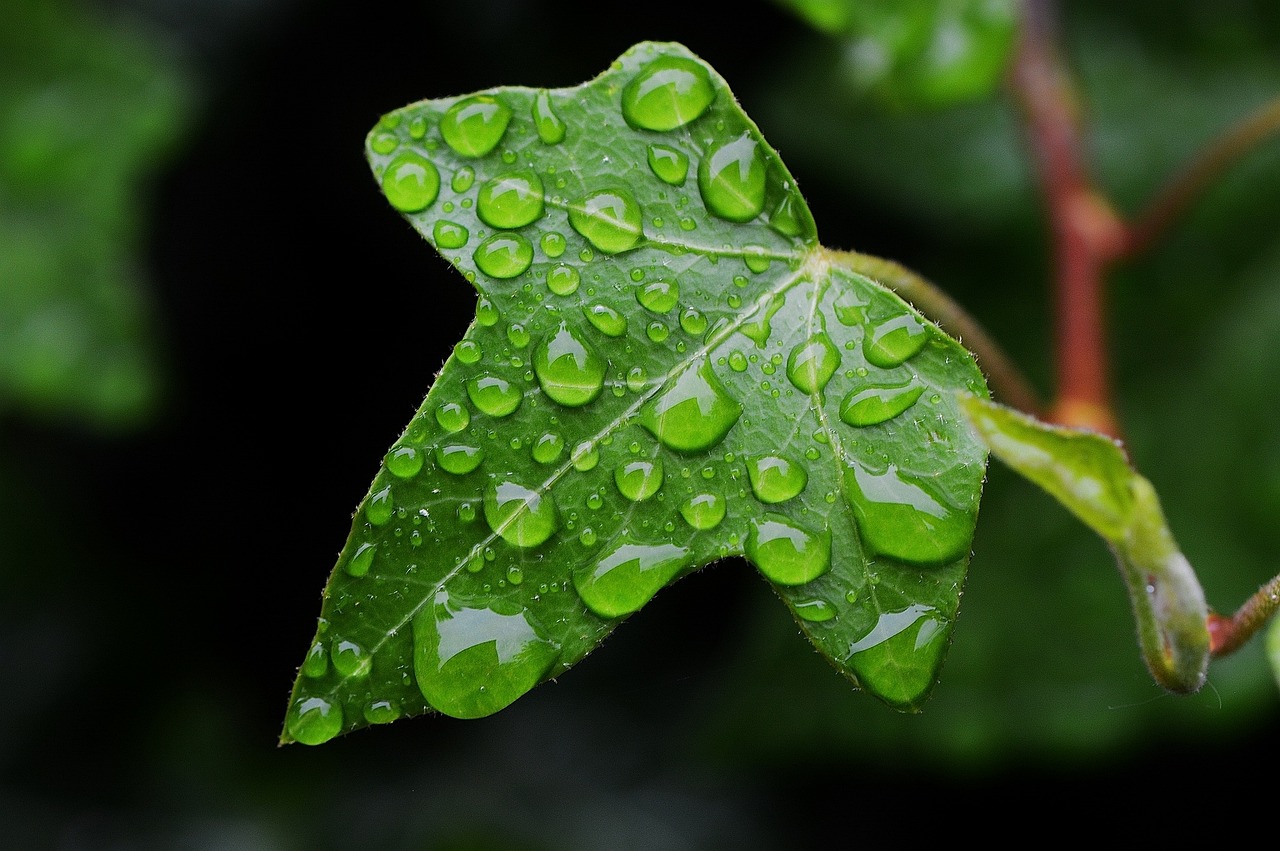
(919, 53)
(1090, 475)
(665, 370)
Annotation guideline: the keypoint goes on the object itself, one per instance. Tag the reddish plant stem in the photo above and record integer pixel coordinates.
(1229, 634)
(1086, 234)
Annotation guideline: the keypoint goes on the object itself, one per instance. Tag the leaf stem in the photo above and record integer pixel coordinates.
(1008, 382)
(1229, 634)
(1210, 164)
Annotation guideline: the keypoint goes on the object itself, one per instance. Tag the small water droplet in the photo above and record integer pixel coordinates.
(551, 128)
(585, 456)
(411, 182)
(379, 509)
(587, 537)
(314, 720)
(786, 553)
(776, 479)
(449, 234)
(317, 662)
(548, 448)
(518, 335)
(362, 559)
(468, 351)
(553, 245)
(381, 711)
(693, 321)
(658, 296)
(510, 200)
(628, 576)
(463, 179)
(453, 417)
(384, 143)
(569, 369)
(610, 219)
(350, 659)
(458, 458)
(693, 414)
(737, 361)
(639, 480)
(704, 511)
(563, 280)
(404, 462)
(815, 611)
(879, 403)
(515, 575)
(486, 313)
(667, 93)
(606, 320)
(466, 512)
(657, 331)
(521, 516)
(493, 395)
(731, 179)
(756, 258)
(670, 165)
(504, 255)
(417, 127)
(474, 126)
(895, 341)
(637, 379)
(812, 363)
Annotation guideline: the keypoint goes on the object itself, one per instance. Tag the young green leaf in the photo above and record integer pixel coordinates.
(665, 370)
(1089, 474)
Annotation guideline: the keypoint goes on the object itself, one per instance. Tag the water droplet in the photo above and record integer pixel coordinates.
(606, 320)
(504, 255)
(404, 462)
(569, 369)
(815, 611)
(879, 403)
(760, 329)
(732, 179)
(609, 219)
(812, 363)
(463, 178)
(379, 509)
(472, 662)
(585, 456)
(704, 511)
(669, 92)
(453, 417)
(692, 321)
(361, 560)
(551, 128)
(563, 280)
(756, 258)
(495, 396)
(657, 331)
(384, 143)
(897, 635)
(638, 480)
(658, 296)
(467, 351)
(518, 335)
(458, 458)
(671, 166)
(628, 576)
(486, 313)
(637, 379)
(791, 217)
(417, 127)
(474, 126)
(893, 342)
(317, 662)
(900, 517)
(553, 244)
(587, 537)
(515, 575)
(776, 479)
(786, 553)
(737, 361)
(410, 182)
(510, 200)
(314, 720)
(381, 711)
(466, 512)
(449, 234)
(350, 659)
(693, 414)
(548, 448)
(523, 517)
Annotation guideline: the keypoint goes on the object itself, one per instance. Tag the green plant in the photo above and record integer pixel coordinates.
(667, 368)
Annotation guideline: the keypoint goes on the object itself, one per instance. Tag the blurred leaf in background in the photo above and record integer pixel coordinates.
(90, 107)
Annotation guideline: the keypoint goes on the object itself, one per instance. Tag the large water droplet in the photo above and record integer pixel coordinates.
(553, 244)
(670, 166)
(495, 396)
(878, 656)
(732, 179)
(704, 511)
(791, 217)
(404, 462)
(606, 320)
(786, 553)
(761, 328)
(815, 611)
(901, 518)
(449, 234)
(563, 280)
(609, 219)
(474, 126)
(569, 369)
(776, 479)
(314, 720)
(411, 182)
(458, 458)
(504, 255)
(471, 662)
(693, 414)
(551, 128)
(658, 296)
(628, 576)
(893, 342)
(362, 559)
(523, 517)
(812, 363)
(510, 200)
(879, 403)
(668, 93)
(453, 417)
(638, 480)
(350, 659)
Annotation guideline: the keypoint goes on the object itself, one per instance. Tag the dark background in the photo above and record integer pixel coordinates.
(162, 580)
